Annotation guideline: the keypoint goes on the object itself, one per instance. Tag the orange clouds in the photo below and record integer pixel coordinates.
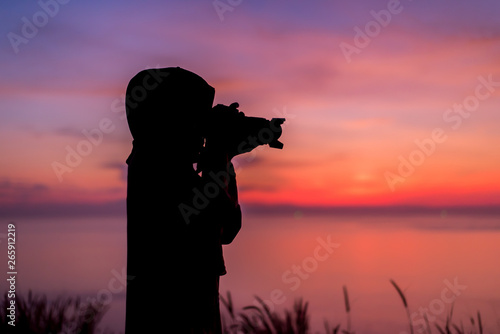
(347, 123)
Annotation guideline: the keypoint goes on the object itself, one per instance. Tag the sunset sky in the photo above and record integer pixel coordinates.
(387, 103)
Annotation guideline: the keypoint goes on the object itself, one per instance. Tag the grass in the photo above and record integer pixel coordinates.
(64, 315)
(347, 305)
(405, 303)
(260, 319)
(67, 315)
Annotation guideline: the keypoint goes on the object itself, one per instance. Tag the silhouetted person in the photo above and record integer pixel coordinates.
(177, 220)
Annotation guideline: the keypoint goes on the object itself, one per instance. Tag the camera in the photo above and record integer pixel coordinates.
(228, 127)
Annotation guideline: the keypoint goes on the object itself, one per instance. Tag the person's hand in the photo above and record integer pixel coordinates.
(221, 141)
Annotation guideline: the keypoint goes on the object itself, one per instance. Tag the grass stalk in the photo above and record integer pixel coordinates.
(405, 303)
(347, 308)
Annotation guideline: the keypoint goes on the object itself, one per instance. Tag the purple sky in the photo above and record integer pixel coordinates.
(350, 117)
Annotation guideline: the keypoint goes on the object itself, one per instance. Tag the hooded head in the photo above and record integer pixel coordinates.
(164, 106)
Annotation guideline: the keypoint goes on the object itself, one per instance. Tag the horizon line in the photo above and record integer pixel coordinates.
(118, 208)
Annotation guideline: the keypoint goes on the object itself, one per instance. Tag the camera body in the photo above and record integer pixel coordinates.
(230, 128)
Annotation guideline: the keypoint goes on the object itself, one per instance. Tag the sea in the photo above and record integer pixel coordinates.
(367, 273)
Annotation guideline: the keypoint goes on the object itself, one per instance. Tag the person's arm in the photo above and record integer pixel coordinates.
(232, 225)
(218, 169)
